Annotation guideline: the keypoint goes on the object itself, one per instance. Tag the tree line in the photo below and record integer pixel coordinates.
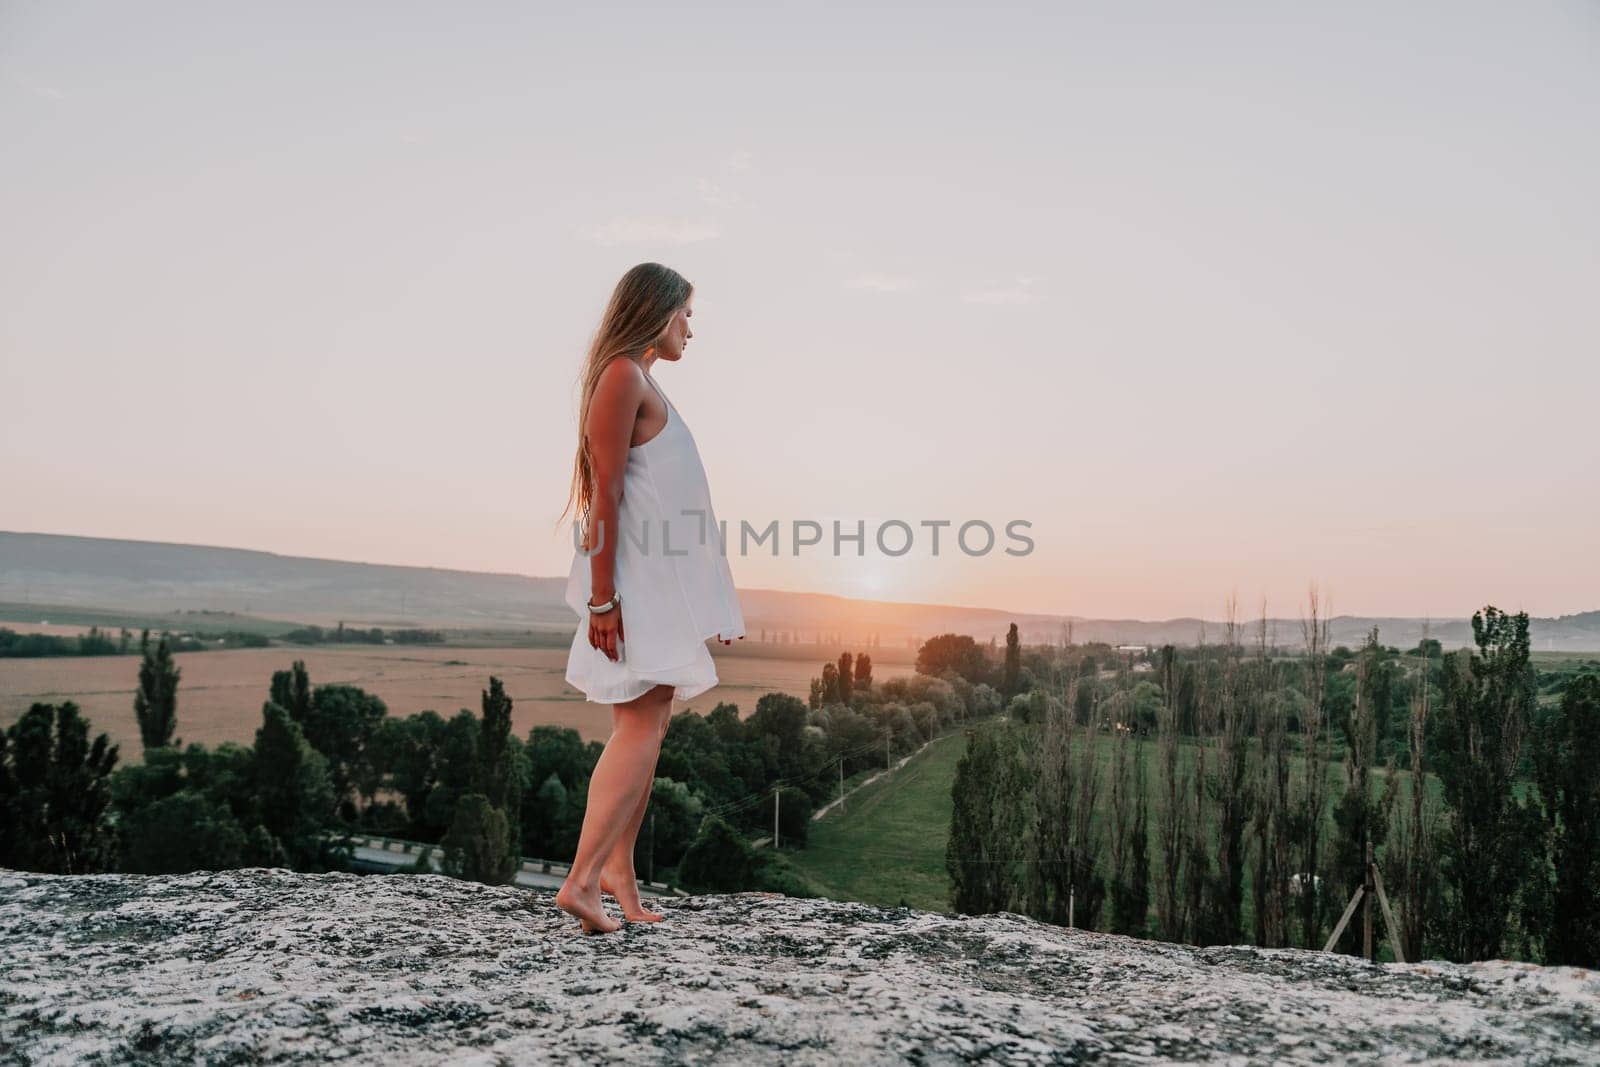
(98, 642)
(1230, 793)
(329, 761)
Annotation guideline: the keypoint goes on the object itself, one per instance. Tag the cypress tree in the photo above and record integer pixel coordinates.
(291, 691)
(58, 788)
(863, 672)
(1490, 838)
(155, 703)
(972, 849)
(484, 841)
(1013, 670)
(1566, 751)
(293, 789)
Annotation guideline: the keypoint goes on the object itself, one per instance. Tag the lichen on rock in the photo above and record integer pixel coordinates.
(272, 966)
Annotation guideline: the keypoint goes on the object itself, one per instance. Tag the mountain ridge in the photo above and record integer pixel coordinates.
(72, 570)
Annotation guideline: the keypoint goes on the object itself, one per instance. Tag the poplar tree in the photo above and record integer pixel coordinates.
(1490, 836)
(1011, 679)
(1566, 752)
(155, 703)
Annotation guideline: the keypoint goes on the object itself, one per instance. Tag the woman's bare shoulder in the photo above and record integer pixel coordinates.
(621, 382)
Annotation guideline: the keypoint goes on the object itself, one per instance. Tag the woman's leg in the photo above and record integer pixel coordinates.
(617, 875)
(621, 776)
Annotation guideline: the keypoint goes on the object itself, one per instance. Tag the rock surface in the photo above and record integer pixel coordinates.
(270, 966)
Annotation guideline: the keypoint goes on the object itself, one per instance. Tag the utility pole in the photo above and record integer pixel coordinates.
(841, 783)
(777, 792)
(1072, 905)
(888, 758)
(1367, 948)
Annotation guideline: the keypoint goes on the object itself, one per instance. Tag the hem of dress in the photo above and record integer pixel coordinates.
(652, 678)
(678, 692)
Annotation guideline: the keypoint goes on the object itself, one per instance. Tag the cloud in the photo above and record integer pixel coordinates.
(623, 231)
(717, 192)
(32, 88)
(880, 283)
(1019, 292)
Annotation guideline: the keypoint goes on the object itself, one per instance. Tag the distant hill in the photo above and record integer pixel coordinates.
(157, 577)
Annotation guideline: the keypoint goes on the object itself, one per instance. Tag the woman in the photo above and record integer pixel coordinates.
(650, 581)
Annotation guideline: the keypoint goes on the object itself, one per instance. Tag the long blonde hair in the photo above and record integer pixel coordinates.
(641, 309)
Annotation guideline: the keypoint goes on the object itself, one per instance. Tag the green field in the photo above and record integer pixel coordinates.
(887, 846)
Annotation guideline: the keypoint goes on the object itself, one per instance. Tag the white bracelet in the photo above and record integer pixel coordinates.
(614, 602)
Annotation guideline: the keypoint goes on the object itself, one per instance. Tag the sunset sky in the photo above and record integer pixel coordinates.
(1221, 299)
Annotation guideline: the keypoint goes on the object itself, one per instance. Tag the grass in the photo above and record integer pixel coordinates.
(887, 846)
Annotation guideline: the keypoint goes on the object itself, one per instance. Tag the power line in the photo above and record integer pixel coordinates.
(750, 799)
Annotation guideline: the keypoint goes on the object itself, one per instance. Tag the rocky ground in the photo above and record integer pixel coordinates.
(266, 966)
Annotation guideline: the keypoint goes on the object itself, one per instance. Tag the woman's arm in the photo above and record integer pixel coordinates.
(613, 410)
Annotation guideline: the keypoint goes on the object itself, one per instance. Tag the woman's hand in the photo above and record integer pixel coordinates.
(605, 631)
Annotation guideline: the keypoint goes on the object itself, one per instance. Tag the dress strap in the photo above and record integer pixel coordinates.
(659, 393)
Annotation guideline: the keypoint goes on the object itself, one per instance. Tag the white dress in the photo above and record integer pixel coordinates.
(671, 572)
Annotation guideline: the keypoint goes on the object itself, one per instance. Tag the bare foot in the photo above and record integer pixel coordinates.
(586, 908)
(632, 909)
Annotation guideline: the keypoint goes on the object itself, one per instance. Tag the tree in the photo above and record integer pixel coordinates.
(1429, 648)
(1566, 752)
(968, 843)
(777, 727)
(56, 792)
(1171, 815)
(404, 754)
(846, 677)
(1410, 861)
(495, 770)
(1228, 797)
(340, 724)
(863, 672)
(1271, 812)
(291, 691)
(1045, 818)
(475, 847)
(155, 702)
(1308, 820)
(830, 684)
(9, 811)
(957, 652)
(720, 860)
(1360, 819)
(794, 815)
(984, 846)
(669, 827)
(1009, 682)
(183, 832)
(471, 847)
(1488, 697)
(190, 810)
(1130, 827)
(296, 795)
(544, 814)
